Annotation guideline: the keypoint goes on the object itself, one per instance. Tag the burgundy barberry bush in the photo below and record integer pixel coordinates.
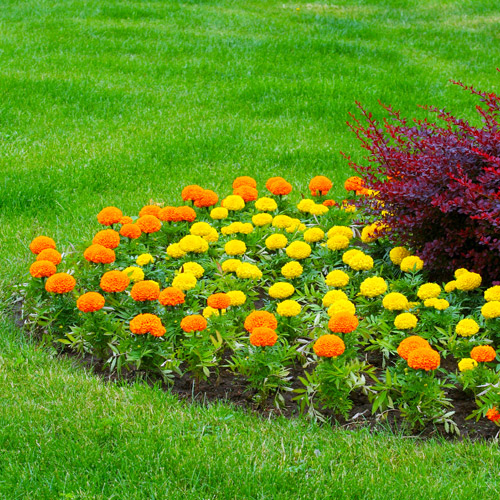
(437, 185)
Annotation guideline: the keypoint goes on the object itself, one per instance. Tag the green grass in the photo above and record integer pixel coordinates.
(120, 102)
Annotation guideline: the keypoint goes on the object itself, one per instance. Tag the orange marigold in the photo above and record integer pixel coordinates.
(343, 322)
(41, 243)
(186, 214)
(263, 336)
(90, 302)
(145, 290)
(320, 185)
(193, 323)
(169, 214)
(482, 353)
(354, 184)
(192, 192)
(260, 318)
(42, 269)
(330, 203)
(171, 297)
(60, 283)
(50, 254)
(147, 323)
(108, 238)
(150, 210)
(99, 254)
(424, 358)
(149, 223)
(411, 343)
(126, 220)
(207, 199)
(114, 281)
(244, 180)
(109, 216)
(493, 414)
(132, 231)
(219, 301)
(248, 193)
(278, 186)
(329, 346)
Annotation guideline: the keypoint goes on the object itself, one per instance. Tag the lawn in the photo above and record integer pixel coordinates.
(119, 103)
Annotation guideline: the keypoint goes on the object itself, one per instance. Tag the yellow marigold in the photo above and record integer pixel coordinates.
(411, 263)
(337, 242)
(337, 278)
(292, 270)
(171, 296)
(276, 241)
(237, 297)
(491, 294)
(320, 185)
(424, 359)
(149, 224)
(51, 255)
(460, 271)
(219, 213)
(42, 269)
(233, 228)
(144, 259)
(491, 310)
(114, 281)
(258, 319)
(340, 231)
(410, 344)
(184, 281)
(361, 262)
(60, 283)
(131, 231)
(342, 306)
(439, 304)
(90, 302)
(467, 364)
(200, 229)
(281, 290)
(192, 192)
(244, 180)
(405, 321)
(354, 253)
(451, 286)
(329, 346)
(266, 204)
(41, 243)
(262, 219)
(212, 236)
(230, 265)
(348, 207)
(246, 228)
(373, 287)
(395, 302)
(193, 268)
(314, 235)
(428, 291)
(263, 336)
(467, 327)
(482, 353)
(288, 308)
(298, 250)
(233, 202)
(109, 216)
(150, 210)
(305, 205)
(175, 251)
(318, 209)
(332, 296)
(145, 290)
(295, 226)
(210, 311)
(343, 322)
(99, 254)
(134, 273)
(248, 271)
(193, 243)
(282, 221)
(397, 254)
(235, 247)
(219, 301)
(468, 281)
(372, 232)
(147, 323)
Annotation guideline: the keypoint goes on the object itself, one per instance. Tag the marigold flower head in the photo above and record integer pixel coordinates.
(186, 214)
(42, 269)
(235, 247)
(314, 235)
(150, 210)
(459, 272)
(491, 310)
(282, 221)
(347, 206)
(337, 242)
(411, 264)
(237, 297)
(492, 294)
(263, 336)
(337, 278)
(208, 312)
(131, 231)
(266, 204)
(171, 296)
(292, 270)
(248, 193)
(438, 304)
(90, 302)
(209, 198)
(352, 254)
(170, 214)
(219, 213)
(134, 273)
(144, 259)
(99, 254)
(451, 286)
(340, 231)
(109, 216)
(329, 346)
(192, 192)
(276, 241)
(244, 180)
(411, 343)
(193, 268)
(395, 301)
(397, 254)
(175, 251)
(278, 186)
(320, 185)
(405, 321)
(373, 287)
(330, 203)
(343, 322)
(184, 281)
(41, 243)
(51, 255)
(126, 220)
(289, 308)
(258, 319)
(428, 291)
(332, 296)
(298, 250)
(193, 323)
(342, 306)
(60, 283)
(318, 209)
(230, 265)
(468, 281)
(281, 290)
(149, 224)
(305, 205)
(482, 353)
(262, 219)
(143, 291)
(354, 184)
(248, 271)
(233, 202)
(467, 364)
(466, 327)
(219, 301)
(493, 414)
(424, 359)
(114, 281)
(147, 323)
(361, 262)
(372, 232)
(193, 243)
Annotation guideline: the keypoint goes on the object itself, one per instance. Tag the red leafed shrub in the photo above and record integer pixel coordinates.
(439, 184)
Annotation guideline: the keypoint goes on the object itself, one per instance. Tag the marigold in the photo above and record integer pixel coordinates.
(248, 193)
(373, 287)
(372, 232)
(332, 296)
(244, 180)
(482, 353)
(298, 250)
(289, 308)
(41, 243)
(147, 323)
(493, 414)
(281, 290)
(491, 310)
(467, 364)
(337, 242)
(134, 273)
(131, 231)
(411, 263)
(343, 322)
(340, 231)
(361, 262)
(467, 327)
(337, 278)
(318, 209)
(263, 336)
(150, 210)
(405, 321)
(145, 290)
(171, 296)
(314, 235)
(342, 306)
(468, 281)
(186, 214)
(351, 255)
(233, 202)
(411, 343)
(219, 301)
(193, 243)
(258, 319)
(144, 259)
(460, 271)
(320, 185)
(278, 186)
(193, 268)
(230, 265)
(109, 216)
(266, 204)
(354, 184)
(193, 323)
(424, 359)
(51, 255)
(60, 283)
(175, 251)
(192, 192)
(42, 269)
(126, 220)
(451, 286)
(395, 302)
(282, 221)
(262, 219)
(439, 304)
(184, 281)
(397, 254)
(492, 294)
(330, 203)
(90, 302)
(305, 205)
(99, 254)
(169, 214)
(329, 346)
(209, 198)
(248, 271)
(235, 247)
(428, 291)
(149, 224)
(208, 312)
(114, 281)
(237, 297)
(276, 241)
(219, 213)
(292, 270)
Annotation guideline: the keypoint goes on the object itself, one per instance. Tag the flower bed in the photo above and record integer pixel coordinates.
(299, 300)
